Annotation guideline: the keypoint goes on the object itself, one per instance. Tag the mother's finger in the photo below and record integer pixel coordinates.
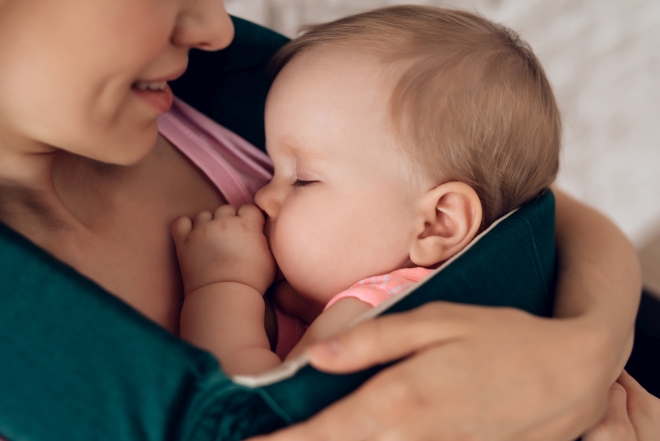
(390, 338)
(643, 409)
(632, 387)
(615, 425)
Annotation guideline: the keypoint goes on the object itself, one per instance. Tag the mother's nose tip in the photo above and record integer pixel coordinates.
(204, 25)
(222, 31)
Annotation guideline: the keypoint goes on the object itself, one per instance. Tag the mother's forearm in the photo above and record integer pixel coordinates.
(599, 283)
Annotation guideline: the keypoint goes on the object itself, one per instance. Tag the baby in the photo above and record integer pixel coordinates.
(396, 136)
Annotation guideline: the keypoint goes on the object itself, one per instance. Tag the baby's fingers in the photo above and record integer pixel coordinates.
(225, 211)
(180, 228)
(202, 218)
(251, 213)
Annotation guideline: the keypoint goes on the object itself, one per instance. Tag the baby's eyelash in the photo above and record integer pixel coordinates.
(299, 183)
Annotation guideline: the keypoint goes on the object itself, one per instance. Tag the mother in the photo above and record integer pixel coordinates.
(85, 176)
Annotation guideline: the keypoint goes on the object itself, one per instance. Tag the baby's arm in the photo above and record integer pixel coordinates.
(226, 267)
(335, 319)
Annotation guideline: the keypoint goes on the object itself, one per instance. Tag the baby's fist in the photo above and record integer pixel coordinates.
(227, 246)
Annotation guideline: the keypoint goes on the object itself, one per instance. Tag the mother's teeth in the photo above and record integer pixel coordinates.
(154, 85)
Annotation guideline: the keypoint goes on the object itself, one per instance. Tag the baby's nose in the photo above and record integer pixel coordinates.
(266, 200)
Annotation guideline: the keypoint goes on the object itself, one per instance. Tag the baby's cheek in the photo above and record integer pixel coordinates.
(323, 251)
(306, 274)
(307, 266)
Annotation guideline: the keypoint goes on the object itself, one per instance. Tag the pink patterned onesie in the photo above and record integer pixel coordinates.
(374, 290)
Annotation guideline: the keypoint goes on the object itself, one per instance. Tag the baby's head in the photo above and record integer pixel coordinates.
(397, 135)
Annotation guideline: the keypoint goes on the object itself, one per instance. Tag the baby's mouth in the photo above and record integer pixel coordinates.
(268, 229)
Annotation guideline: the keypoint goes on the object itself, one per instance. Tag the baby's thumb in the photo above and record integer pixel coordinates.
(252, 213)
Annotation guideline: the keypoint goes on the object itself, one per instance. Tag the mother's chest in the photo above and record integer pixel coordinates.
(133, 255)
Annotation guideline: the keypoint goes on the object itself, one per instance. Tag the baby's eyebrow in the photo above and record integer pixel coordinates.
(295, 149)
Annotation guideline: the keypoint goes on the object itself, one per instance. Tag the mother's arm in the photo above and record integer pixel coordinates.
(494, 373)
(599, 285)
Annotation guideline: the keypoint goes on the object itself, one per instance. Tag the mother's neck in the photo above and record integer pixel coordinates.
(29, 202)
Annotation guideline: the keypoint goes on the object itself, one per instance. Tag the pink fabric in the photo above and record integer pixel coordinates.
(236, 167)
(374, 290)
(290, 330)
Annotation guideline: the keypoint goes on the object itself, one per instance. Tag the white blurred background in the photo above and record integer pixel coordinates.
(603, 60)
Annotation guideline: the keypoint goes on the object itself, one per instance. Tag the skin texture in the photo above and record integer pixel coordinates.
(338, 189)
(111, 222)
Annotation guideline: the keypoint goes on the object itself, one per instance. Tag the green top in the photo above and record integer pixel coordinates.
(77, 363)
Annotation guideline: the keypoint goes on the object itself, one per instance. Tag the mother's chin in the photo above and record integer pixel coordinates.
(124, 140)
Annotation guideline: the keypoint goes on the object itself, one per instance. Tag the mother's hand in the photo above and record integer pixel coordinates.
(632, 414)
(469, 373)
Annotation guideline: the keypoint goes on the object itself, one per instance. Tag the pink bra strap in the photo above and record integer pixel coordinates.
(236, 167)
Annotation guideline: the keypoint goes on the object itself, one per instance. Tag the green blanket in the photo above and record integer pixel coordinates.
(77, 363)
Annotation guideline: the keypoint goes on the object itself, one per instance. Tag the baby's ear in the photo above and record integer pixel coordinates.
(450, 216)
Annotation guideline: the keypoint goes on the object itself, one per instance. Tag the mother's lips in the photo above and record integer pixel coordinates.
(159, 99)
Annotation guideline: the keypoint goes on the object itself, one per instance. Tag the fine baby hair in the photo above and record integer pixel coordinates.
(471, 104)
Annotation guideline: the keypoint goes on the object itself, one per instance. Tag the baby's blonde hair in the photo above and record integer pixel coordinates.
(471, 104)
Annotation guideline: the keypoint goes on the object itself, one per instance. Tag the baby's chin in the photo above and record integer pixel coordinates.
(314, 286)
(317, 293)
(306, 293)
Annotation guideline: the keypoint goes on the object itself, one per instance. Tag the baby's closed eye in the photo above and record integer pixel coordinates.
(301, 183)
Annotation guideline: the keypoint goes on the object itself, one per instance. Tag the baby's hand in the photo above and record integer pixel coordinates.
(224, 247)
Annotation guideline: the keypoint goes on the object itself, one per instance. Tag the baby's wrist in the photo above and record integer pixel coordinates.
(221, 288)
(259, 281)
